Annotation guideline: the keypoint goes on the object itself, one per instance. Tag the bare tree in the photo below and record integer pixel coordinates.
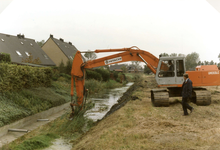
(41, 43)
(90, 55)
(136, 64)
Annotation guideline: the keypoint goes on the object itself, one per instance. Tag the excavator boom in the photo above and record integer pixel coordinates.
(127, 54)
(171, 79)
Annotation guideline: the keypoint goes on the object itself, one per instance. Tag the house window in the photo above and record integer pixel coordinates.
(3, 40)
(19, 54)
(45, 56)
(27, 54)
(22, 43)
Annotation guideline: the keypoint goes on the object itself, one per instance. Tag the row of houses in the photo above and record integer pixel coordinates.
(51, 53)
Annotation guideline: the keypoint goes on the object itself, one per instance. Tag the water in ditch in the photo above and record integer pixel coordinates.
(103, 102)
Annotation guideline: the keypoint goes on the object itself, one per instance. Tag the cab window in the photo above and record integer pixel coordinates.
(180, 68)
(167, 69)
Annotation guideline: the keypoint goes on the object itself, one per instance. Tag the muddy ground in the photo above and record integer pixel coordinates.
(139, 125)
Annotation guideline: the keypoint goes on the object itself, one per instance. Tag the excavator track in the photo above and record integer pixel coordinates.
(160, 98)
(203, 97)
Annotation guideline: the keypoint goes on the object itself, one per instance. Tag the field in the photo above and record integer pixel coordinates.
(139, 125)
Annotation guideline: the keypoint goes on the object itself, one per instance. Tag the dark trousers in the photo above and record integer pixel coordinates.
(185, 106)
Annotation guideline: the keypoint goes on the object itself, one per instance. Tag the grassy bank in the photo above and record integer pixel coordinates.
(16, 105)
(30, 101)
(61, 127)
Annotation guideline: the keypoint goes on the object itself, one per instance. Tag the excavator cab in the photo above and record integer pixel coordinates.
(170, 71)
(169, 75)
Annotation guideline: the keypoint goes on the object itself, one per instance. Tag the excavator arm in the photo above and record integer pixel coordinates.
(78, 68)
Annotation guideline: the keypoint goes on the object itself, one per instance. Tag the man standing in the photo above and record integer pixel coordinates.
(186, 94)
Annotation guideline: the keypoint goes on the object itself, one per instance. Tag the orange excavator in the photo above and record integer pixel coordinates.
(168, 74)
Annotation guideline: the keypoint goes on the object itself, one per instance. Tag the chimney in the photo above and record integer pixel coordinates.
(70, 43)
(61, 39)
(20, 36)
(51, 35)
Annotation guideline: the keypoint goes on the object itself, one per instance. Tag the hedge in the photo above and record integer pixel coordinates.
(104, 73)
(93, 75)
(5, 57)
(16, 77)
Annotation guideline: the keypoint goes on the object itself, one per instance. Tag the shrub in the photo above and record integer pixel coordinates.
(30, 59)
(94, 86)
(66, 76)
(93, 75)
(55, 73)
(115, 74)
(62, 68)
(112, 84)
(16, 77)
(5, 57)
(68, 67)
(104, 73)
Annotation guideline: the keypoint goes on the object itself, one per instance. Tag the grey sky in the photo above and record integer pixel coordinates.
(4, 4)
(157, 26)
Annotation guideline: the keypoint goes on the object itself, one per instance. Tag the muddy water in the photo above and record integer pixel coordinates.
(105, 101)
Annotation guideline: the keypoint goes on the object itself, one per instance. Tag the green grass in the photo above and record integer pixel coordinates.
(16, 105)
(38, 142)
(19, 104)
(65, 127)
(61, 127)
(95, 86)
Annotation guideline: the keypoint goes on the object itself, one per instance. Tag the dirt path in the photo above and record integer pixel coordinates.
(139, 125)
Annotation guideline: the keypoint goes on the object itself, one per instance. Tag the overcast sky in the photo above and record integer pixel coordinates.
(157, 26)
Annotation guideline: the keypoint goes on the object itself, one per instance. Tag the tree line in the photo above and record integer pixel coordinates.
(192, 60)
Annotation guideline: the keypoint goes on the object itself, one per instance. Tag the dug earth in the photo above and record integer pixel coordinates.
(139, 125)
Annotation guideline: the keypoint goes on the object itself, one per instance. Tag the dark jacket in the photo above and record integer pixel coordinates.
(171, 68)
(187, 89)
